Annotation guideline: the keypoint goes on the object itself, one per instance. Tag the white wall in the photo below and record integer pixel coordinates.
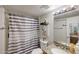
(50, 20)
(2, 31)
(50, 30)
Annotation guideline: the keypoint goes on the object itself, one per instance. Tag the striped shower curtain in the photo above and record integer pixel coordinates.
(23, 34)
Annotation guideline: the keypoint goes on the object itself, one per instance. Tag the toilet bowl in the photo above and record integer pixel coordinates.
(37, 51)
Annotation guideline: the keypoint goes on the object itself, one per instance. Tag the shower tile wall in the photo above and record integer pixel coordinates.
(50, 20)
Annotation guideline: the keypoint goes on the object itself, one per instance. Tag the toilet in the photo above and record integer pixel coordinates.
(37, 51)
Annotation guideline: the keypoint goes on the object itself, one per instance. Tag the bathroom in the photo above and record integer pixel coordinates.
(39, 29)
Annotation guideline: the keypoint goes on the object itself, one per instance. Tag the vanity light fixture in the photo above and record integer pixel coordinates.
(64, 10)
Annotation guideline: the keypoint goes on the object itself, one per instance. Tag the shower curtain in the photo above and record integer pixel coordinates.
(23, 34)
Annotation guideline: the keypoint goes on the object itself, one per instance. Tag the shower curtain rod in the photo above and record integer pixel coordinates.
(14, 14)
(19, 15)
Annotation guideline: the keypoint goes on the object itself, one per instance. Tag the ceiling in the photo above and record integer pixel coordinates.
(31, 10)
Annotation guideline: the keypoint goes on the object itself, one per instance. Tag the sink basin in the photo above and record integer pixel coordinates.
(58, 51)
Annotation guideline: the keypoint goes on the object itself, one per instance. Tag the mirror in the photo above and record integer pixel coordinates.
(60, 30)
(66, 30)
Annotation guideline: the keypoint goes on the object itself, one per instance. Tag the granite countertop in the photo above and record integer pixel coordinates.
(48, 49)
